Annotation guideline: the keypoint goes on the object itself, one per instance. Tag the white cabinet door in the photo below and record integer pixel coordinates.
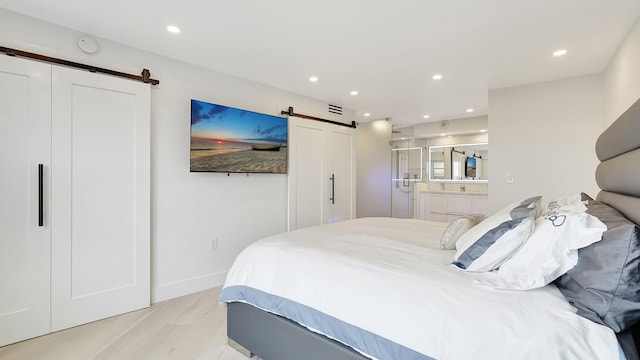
(25, 125)
(441, 207)
(321, 179)
(480, 205)
(435, 207)
(100, 197)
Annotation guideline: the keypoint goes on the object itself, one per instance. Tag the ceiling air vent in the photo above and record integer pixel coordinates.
(335, 109)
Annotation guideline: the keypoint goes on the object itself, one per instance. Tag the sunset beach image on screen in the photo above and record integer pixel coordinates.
(230, 140)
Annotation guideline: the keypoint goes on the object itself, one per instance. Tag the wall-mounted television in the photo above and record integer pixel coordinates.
(229, 140)
(470, 169)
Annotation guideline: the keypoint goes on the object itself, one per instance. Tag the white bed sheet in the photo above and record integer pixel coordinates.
(388, 276)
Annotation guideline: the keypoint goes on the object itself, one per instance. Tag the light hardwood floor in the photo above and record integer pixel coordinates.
(189, 327)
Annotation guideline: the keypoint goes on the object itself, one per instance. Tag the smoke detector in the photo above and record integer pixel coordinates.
(88, 45)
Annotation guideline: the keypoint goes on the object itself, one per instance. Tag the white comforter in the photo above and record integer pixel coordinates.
(388, 276)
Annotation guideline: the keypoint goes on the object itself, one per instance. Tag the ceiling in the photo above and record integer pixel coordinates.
(386, 50)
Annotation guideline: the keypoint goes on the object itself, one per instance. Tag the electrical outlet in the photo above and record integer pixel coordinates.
(213, 244)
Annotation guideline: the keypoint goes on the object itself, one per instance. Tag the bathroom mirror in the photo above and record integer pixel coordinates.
(459, 162)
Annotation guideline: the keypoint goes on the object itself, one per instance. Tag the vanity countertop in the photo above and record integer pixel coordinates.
(453, 192)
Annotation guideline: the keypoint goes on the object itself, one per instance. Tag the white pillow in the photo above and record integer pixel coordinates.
(566, 202)
(552, 248)
(487, 245)
(456, 229)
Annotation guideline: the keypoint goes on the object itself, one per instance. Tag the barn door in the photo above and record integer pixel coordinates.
(100, 190)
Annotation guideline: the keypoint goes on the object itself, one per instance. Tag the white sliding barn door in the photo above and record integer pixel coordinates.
(341, 148)
(306, 174)
(321, 179)
(100, 197)
(25, 125)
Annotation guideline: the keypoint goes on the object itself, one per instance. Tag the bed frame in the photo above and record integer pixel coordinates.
(251, 328)
(273, 337)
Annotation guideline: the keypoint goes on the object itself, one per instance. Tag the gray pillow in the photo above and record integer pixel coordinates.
(605, 284)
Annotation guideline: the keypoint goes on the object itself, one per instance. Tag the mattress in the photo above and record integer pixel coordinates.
(383, 287)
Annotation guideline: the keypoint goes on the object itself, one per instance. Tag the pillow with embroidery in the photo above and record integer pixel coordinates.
(456, 229)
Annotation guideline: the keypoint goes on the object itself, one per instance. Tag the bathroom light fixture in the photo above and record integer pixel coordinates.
(313, 78)
(367, 114)
(380, 124)
(470, 110)
(559, 52)
(437, 77)
(173, 29)
(425, 116)
(354, 92)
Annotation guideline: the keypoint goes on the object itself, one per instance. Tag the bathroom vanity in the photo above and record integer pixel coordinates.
(448, 205)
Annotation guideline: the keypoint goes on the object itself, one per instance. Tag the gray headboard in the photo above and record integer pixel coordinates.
(618, 175)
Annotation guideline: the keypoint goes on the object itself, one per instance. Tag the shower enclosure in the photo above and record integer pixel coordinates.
(406, 170)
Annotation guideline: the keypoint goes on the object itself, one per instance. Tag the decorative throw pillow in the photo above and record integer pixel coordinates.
(551, 249)
(456, 228)
(487, 245)
(605, 284)
(567, 202)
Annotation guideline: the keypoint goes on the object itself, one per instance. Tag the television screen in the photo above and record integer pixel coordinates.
(470, 170)
(230, 140)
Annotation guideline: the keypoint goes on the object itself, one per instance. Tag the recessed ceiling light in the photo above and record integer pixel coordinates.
(484, 130)
(367, 114)
(354, 92)
(559, 52)
(437, 77)
(426, 116)
(313, 78)
(470, 110)
(443, 134)
(173, 29)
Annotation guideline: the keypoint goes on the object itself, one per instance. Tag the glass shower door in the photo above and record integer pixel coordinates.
(406, 171)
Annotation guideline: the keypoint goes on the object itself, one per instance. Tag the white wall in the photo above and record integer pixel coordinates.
(544, 136)
(622, 77)
(468, 125)
(187, 209)
(373, 169)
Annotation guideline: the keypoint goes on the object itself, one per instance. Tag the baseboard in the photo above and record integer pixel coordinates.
(176, 289)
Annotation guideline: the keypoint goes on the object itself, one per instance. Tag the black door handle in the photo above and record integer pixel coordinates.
(40, 195)
(333, 188)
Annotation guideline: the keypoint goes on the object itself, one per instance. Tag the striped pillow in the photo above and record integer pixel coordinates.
(487, 245)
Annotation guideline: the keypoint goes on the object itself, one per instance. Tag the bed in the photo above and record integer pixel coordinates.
(554, 280)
